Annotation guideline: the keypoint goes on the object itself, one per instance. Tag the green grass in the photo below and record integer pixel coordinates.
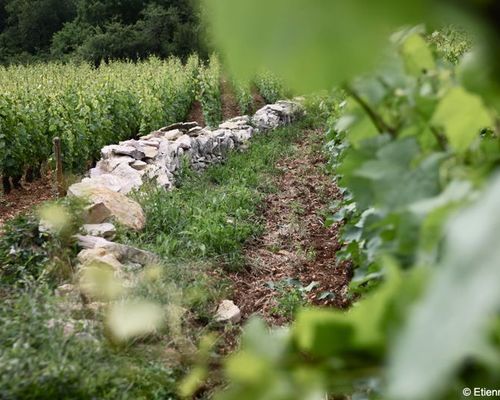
(211, 215)
(197, 229)
(38, 362)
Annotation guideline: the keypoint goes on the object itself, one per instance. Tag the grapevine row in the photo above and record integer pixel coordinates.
(86, 108)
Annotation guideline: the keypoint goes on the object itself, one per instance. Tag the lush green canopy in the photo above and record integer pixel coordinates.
(97, 30)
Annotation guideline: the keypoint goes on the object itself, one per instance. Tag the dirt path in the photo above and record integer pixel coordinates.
(230, 108)
(294, 261)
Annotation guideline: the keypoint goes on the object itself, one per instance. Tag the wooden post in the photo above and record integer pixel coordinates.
(59, 168)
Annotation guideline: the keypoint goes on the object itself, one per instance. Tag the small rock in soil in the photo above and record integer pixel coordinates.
(228, 312)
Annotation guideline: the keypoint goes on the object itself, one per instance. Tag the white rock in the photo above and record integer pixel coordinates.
(100, 257)
(150, 151)
(228, 312)
(274, 115)
(120, 252)
(183, 142)
(196, 131)
(107, 181)
(139, 165)
(154, 142)
(109, 151)
(105, 230)
(173, 135)
(160, 174)
(132, 178)
(124, 210)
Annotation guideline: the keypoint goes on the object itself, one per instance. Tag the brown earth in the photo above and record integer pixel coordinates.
(230, 108)
(258, 100)
(20, 201)
(296, 244)
(196, 114)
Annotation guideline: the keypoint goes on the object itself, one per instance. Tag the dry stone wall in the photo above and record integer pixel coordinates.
(155, 157)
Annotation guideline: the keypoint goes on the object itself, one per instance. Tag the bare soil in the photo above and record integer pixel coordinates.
(22, 200)
(296, 243)
(258, 100)
(230, 108)
(196, 114)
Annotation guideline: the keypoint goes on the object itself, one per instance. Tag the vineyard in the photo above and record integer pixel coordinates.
(89, 108)
(308, 213)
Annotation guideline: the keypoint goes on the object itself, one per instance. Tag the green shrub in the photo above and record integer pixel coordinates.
(244, 96)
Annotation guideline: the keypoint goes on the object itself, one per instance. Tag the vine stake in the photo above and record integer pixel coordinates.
(59, 167)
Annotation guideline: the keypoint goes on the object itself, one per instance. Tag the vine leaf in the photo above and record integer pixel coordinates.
(460, 301)
(417, 56)
(462, 115)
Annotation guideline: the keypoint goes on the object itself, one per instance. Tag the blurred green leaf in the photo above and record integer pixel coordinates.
(313, 44)
(459, 302)
(462, 115)
(326, 333)
(417, 55)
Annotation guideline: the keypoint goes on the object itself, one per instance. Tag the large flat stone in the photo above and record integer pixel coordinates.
(106, 181)
(104, 230)
(122, 150)
(121, 252)
(182, 126)
(126, 211)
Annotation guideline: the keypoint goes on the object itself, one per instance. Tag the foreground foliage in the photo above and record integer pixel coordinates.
(416, 151)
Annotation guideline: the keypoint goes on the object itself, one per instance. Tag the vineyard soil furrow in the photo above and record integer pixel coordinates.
(294, 262)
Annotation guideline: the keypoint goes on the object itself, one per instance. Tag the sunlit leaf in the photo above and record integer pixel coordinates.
(99, 281)
(462, 115)
(248, 368)
(130, 319)
(326, 332)
(54, 217)
(416, 54)
(192, 382)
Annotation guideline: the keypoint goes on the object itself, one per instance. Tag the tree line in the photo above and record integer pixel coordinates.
(98, 30)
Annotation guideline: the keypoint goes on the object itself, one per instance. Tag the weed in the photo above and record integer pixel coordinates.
(29, 253)
(297, 208)
(211, 216)
(290, 297)
(38, 361)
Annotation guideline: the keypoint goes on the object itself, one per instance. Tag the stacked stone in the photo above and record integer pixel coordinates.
(156, 157)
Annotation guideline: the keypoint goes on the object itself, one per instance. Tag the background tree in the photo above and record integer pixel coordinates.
(97, 30)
